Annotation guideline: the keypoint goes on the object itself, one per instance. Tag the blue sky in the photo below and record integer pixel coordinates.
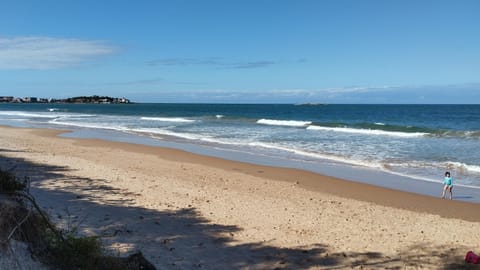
(243, 51)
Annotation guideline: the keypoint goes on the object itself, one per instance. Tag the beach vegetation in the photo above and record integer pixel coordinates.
(96, 99)
(9, 183)
(23, 220)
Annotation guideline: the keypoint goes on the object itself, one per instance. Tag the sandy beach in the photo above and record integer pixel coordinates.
(187, 211)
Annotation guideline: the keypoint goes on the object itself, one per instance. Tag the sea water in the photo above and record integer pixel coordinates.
(417, 141)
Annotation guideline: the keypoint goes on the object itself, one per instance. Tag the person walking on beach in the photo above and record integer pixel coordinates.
(447, 184)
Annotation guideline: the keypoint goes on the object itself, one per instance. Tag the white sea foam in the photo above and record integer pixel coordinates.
(27, 114)
(87, 125)
(449, 165)
(423, 170)
(368, 131)
(290, 123)
(380, 124)
(428, 179)
(462, 167)
(475, 133)
(165, 132)
(50, 115)
(271, 146)
(317, 155)
(296, 153)
(168, 119)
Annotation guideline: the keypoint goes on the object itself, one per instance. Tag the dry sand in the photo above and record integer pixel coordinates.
(187, 211)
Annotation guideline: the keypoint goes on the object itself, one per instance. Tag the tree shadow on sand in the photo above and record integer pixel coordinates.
(181, 238)
(420, 256)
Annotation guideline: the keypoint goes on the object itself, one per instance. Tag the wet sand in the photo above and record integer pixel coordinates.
(188, 211)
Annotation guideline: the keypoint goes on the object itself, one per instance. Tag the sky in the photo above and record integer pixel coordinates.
(243, 51)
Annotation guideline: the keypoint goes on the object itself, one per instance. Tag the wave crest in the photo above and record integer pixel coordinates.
(289, 123)
(168, 119)
(462, 167)
(369, 131)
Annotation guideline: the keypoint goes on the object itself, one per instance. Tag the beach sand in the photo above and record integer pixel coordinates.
(187, 211)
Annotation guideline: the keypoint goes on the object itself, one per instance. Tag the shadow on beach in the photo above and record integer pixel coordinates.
(181, 238)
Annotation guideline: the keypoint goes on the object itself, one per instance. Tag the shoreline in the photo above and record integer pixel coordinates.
(265, 132)
(313, 181)
(307, 179)
(343, 171)
(188, 209)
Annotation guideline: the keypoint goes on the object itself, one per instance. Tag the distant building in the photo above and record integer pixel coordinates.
(81, 99)
(30, 99)
(6, 99)
(123, 100)
(56, 100)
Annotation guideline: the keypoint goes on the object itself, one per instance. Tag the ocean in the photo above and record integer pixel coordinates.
(420, 142)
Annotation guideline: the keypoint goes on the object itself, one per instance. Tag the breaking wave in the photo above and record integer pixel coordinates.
(168, 119)
(290, 123)
(369, 131)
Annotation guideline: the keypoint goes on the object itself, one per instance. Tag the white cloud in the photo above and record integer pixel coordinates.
(48, 53)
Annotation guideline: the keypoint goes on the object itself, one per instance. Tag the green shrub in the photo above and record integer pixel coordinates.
(61, 250)
(9, 183)
(74, 252)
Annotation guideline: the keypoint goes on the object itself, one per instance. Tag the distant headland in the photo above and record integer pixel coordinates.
(82, 99)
